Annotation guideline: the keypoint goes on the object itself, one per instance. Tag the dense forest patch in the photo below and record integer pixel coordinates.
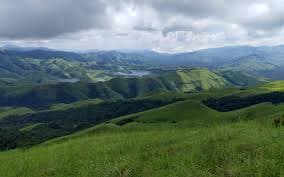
(231, 103)
(29, 129)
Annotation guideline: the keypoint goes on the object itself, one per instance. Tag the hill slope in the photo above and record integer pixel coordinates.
(119, 88)
(228, 150)
(179, 139)
(169, 107)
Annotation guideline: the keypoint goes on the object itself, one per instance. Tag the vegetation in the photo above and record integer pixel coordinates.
(39, 96)
(49, 66)
(241, 149)
(33, 128)
(68, 114)
(184, 138)
(231, 103)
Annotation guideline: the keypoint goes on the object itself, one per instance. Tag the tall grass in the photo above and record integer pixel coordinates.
(241, 149)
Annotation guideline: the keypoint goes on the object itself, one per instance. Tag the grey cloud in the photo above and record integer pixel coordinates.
(121, 34)
(177, 27)
(111, 23)
(229, 11)
(268, 23)
(49, 18)
(145, 28)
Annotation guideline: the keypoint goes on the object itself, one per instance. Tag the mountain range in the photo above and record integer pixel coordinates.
(42, 65)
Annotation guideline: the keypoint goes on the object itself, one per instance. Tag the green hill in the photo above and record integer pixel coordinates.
(173, 122)
(242, 149)
(166, 107)
(52, 70)
(176, 136)
(38, 96)
(255, 61)
(198, 80)
(63, 119)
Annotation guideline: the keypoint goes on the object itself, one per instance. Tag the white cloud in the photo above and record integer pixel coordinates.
(163, 25)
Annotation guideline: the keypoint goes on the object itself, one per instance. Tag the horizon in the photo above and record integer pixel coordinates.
(164, 26)
(31, 48)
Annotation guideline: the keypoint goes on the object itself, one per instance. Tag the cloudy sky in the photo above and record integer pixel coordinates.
(161, 25)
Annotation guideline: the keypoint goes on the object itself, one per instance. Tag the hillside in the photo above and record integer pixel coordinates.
(141, 88)
(33, 70)
(111, 118)
(38, 96)
(169, 124)
(242, 149)
(21, 127)
(165, 107)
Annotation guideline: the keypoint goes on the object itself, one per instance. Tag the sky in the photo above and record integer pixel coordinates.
(159, 25)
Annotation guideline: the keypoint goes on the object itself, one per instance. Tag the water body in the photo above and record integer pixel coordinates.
(134, 73)
(71, 80)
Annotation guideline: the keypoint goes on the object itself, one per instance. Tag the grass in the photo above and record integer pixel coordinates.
(77, 104)
(202, 79)
(242, 149)
(14, 111)
(30, 127)
(192, 113)
(181, 139)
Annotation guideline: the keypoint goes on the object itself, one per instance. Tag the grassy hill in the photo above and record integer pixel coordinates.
(242, 149)
(193, 112)
(184, 138)
(38, 96)
(22, 127)
(167, 107)
(34, 70)
(174, 122)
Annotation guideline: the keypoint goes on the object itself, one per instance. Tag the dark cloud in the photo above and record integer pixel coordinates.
(247, 13)
(161, 24)
(49, 18)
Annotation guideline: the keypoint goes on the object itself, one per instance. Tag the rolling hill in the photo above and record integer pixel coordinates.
(37, 96)
(58, 118)
(179, 139)
(189, 110)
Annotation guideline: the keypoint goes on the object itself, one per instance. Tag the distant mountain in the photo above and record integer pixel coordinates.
(17, 48)
(31, 70)
(255, 61)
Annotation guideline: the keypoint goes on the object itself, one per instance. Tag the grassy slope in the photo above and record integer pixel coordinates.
(45, 95)
(242, 149)
(201, 79)
(33, 70)
(6, 112)
(193, 112)
(169, 141)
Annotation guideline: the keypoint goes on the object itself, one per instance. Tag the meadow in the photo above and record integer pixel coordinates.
(156, 150)
(180, 139)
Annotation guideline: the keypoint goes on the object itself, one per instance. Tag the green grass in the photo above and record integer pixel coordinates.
(192, 113)
(77, 104)
(244, 149)
(15, 111)
(30, 127)
(185, 138)
(274, 86)
(201, 79)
